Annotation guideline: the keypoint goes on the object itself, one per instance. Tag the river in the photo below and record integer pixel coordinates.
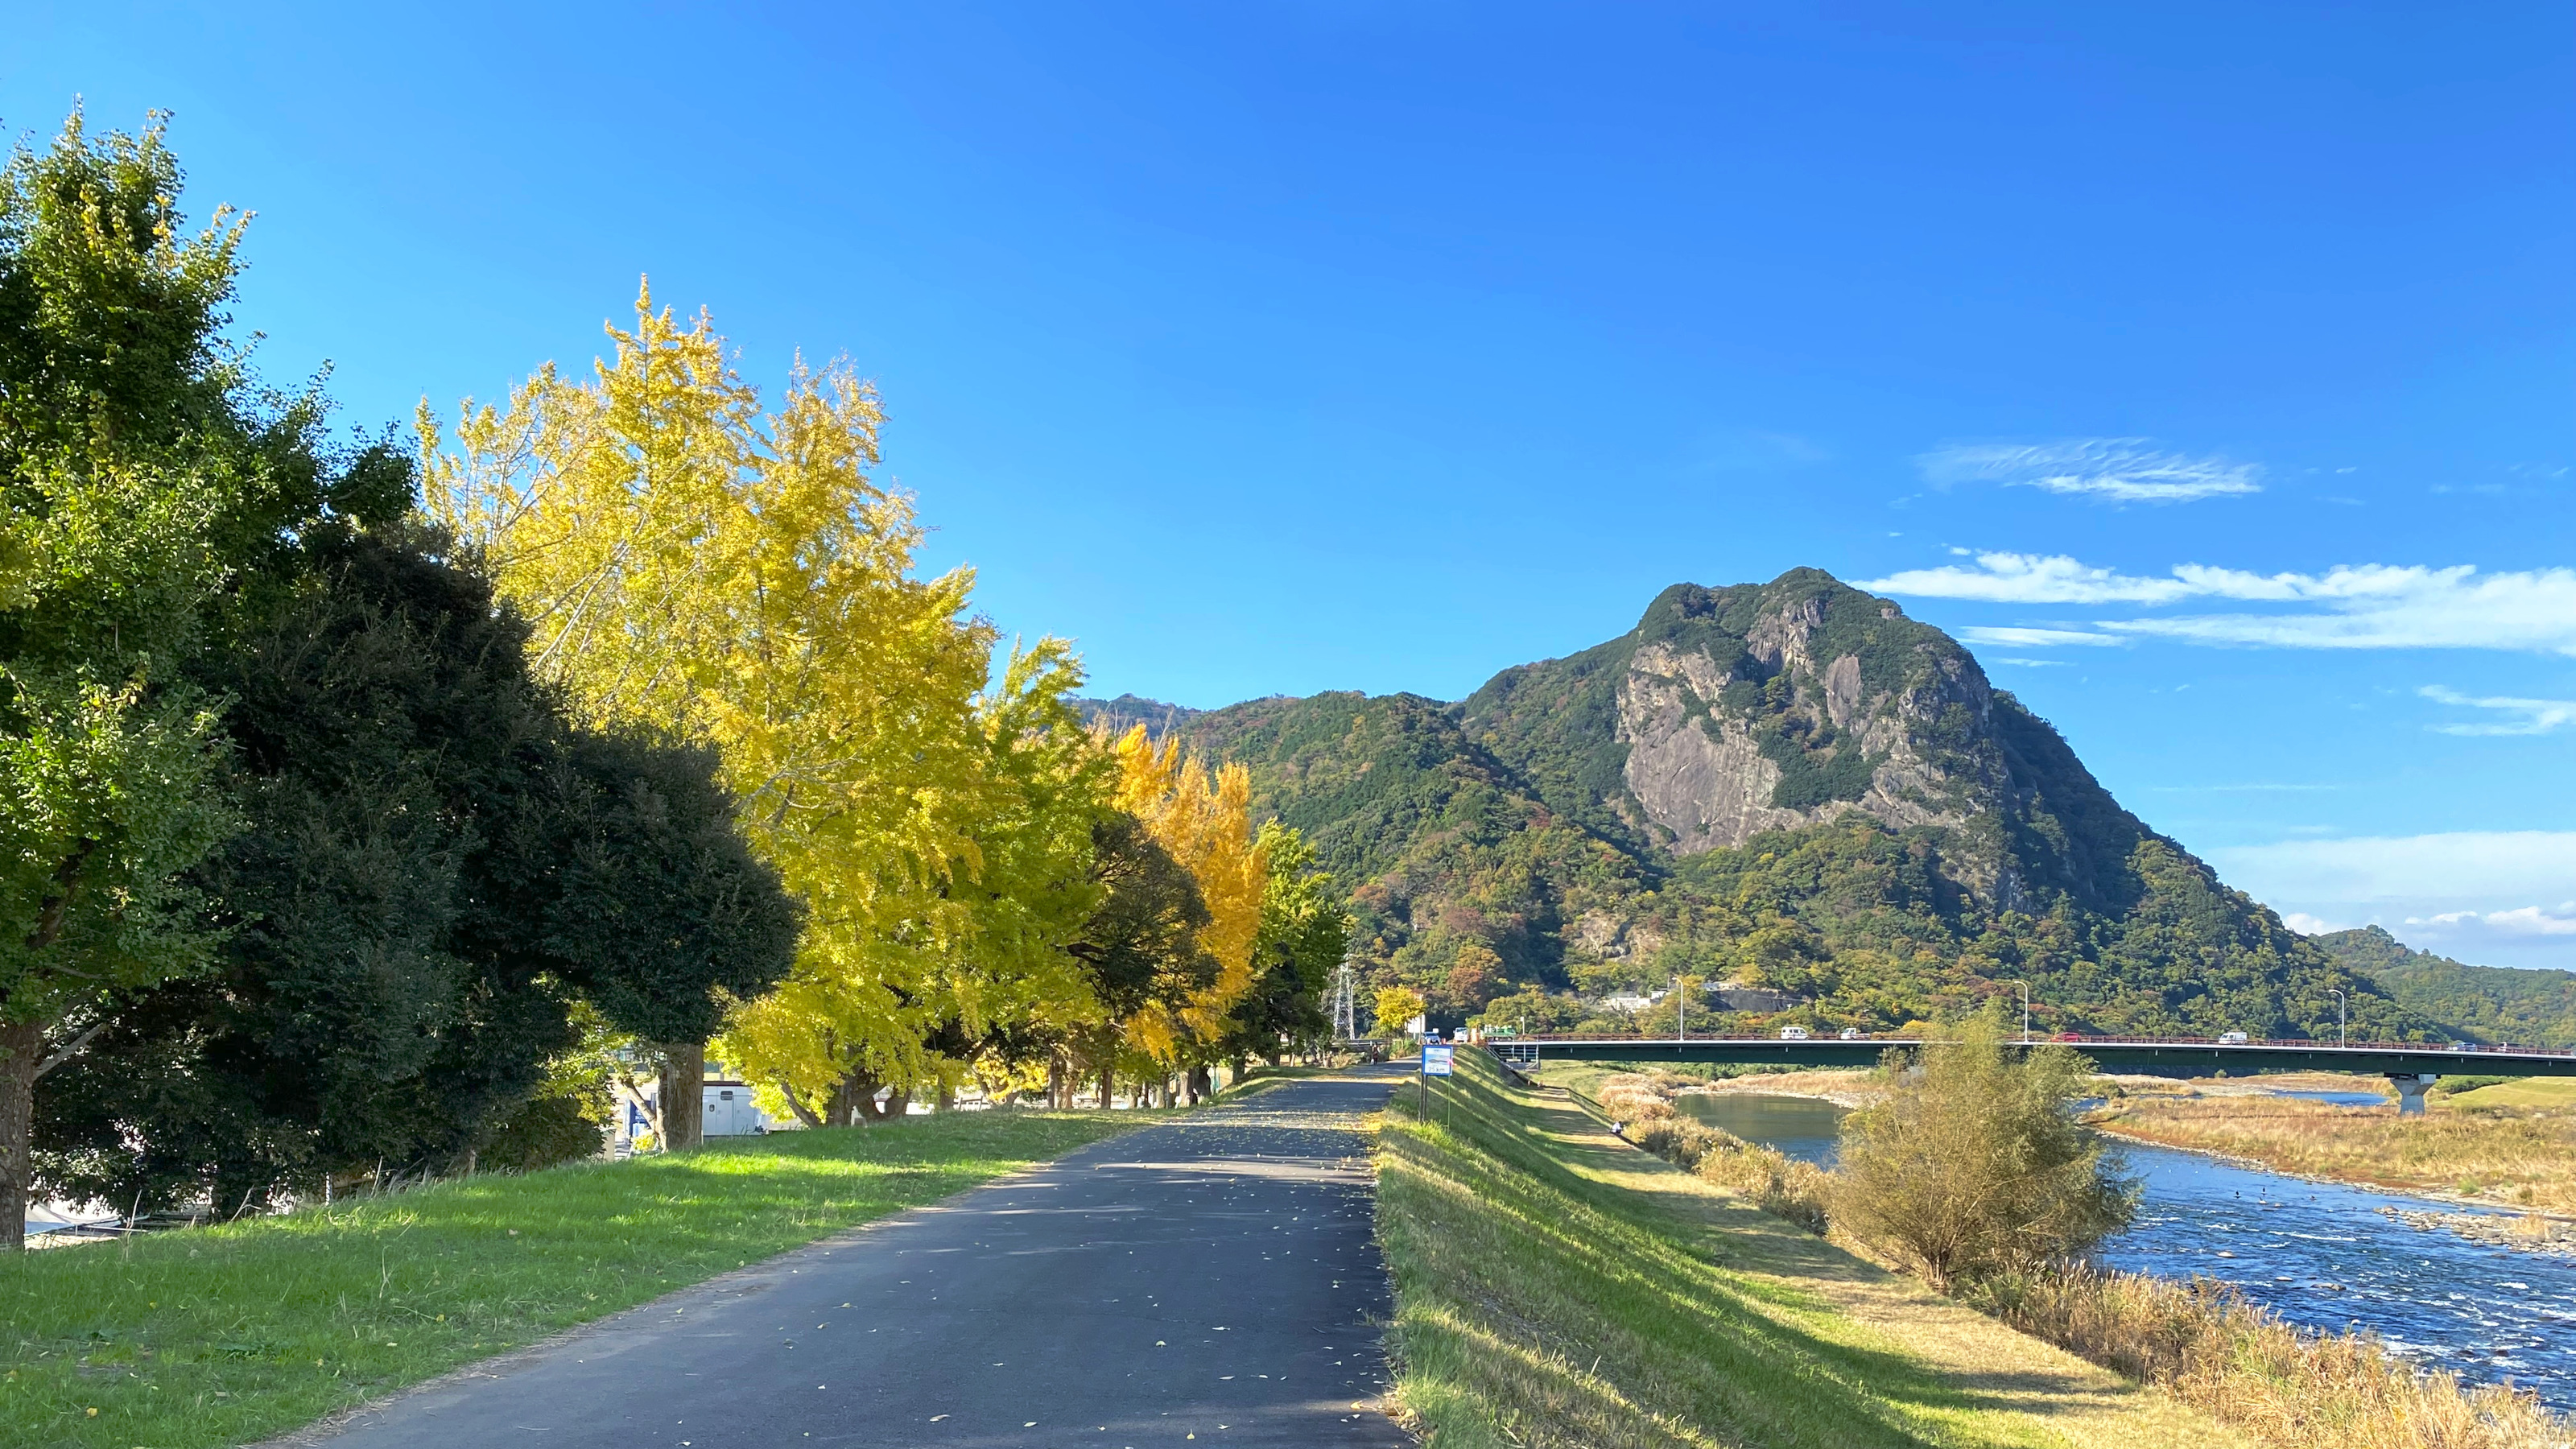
(2321, 1256)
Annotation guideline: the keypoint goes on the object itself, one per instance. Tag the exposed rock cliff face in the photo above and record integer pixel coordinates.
(1790, 787)
(1770, 707)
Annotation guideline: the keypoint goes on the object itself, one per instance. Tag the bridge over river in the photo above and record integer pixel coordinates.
(2409, 1066)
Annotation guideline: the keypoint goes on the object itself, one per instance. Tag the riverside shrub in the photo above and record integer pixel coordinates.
(1972, 1164)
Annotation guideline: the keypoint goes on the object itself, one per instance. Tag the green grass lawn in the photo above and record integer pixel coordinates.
(219, 1335)
(1557, 1287)
(2542, 1092)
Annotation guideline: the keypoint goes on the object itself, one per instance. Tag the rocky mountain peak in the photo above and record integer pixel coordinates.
(1790, 785)
(1794, 703)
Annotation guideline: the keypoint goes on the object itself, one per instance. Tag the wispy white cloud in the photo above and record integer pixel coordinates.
(2459, 866)
(2034, 663)
(2038, 638)
(2115, 470)
(2307, 925)
(2351, 606)
(2520, 921)
(2029, 578)
(2538, 716)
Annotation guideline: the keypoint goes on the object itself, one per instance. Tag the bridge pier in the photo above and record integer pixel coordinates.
(2410, 1091)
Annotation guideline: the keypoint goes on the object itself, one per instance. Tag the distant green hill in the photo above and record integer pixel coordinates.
(1787, 785)
(2485, 1003)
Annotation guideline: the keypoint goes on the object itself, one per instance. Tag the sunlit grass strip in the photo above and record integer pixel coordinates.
(217, 1336)
(1537, 1307)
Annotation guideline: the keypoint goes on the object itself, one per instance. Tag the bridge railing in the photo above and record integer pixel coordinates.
(2465, 1049)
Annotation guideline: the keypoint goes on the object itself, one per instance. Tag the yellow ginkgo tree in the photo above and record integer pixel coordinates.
(1203, 818)
(694, 563)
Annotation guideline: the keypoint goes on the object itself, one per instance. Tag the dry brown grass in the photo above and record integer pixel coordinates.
(2197, 1341)
(2526, 1158)
(1642, 1103)
(2241, 1365)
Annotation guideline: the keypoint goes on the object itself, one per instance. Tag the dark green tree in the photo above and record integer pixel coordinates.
(655, 907)
(1141, 946)
(435, 867)
(143, 480)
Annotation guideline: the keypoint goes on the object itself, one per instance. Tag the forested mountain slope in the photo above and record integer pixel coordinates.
(2484, 1003)
(1788, 785)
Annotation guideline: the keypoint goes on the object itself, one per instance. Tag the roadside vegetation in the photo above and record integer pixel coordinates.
(2510, 1143)
(1968, 1170)
(381, 809)
(1554, 1286)
(225, 1335)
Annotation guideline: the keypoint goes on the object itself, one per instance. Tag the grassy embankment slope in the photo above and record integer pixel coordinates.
(221, 1335)
(2514, 1144)
(1556, 1286)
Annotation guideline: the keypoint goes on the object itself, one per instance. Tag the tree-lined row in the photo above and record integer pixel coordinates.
(345, 819)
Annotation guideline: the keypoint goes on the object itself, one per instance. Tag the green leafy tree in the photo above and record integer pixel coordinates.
(140, 474)
(650, 903)
(434, 867)
(1140, 949)
(1973, 1164)
(1305, 932)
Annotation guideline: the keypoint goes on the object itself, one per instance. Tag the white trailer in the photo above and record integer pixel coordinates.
(730, 1112)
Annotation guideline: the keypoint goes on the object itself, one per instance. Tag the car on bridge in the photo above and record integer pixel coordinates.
(1793, 1033)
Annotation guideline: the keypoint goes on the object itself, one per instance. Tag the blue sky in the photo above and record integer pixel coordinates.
(1272, 348)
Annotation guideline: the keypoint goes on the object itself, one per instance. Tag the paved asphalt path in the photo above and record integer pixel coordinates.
(1208, 1282)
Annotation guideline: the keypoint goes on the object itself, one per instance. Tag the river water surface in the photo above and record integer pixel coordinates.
(2322, 1256)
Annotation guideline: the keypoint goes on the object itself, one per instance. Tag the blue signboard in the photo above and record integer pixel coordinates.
(1435, 1060)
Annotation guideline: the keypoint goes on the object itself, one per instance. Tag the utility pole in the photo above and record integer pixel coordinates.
(2025, 1011)
(1681, 1007)
(2343, 1032)
(1346, 1004)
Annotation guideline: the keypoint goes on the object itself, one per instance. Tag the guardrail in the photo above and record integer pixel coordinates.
(2305, 1044)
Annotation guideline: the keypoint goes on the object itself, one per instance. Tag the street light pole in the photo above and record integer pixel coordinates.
(2343, 1033)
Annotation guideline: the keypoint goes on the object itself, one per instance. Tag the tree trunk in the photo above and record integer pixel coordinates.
(1107, 1077)
(796, 1104)
(684, 1095)
(1058, 1097)
(1202, 1084)
(21, 1050)
(946, 1099)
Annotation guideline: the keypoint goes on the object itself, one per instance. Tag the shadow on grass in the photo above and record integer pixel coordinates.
(224, 1334)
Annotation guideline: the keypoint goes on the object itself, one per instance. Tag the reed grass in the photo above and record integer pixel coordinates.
(2238, 1363)
(1779, 1185)
(2520, 1156)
